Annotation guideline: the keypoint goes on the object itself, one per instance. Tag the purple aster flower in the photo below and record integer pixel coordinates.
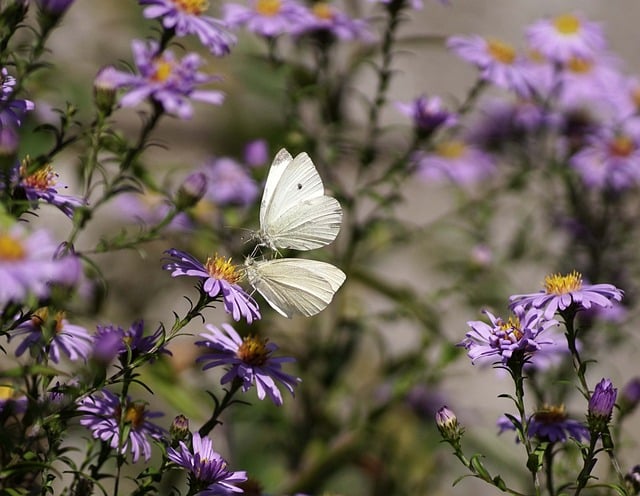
(41, 185)
(229, 183)
(568, 291)
(497, 61)
(326, 18)
(601, 405)
(139, 344)
(520, 335)
(187, 17)
(455, 161)
(551, 423)
(427, 114)
(12, 402)
(207, 466)
(52, 335)
(219, 278)
(256, 153)
(250, 359)
(166, 80)
(108, 343)
(610, 161)
(12, 110)
(267, 18)
(103, 413)
(566, 36)
(631, 391)
(30, 262)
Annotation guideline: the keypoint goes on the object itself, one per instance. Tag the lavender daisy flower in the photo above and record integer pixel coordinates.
(326, 18)
(568, 292)
(497, 61)
(103, 413)
(41, 185)
(520, 335)
(268, 18)
(12, 110)
(455, 161)
(566, 36)
(250, 359)
(427, 114)
(166, 80)
(551, 423)
(108, 343)
(229, 183)
(219, 278)
(187, 17)
(610, 161)
(53, 336)
(207, 466)
(30, 264)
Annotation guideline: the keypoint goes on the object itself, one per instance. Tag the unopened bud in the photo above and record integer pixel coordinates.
(448, 425)
(601, 405)
(105, 86)
(191, 191)
(179, 429)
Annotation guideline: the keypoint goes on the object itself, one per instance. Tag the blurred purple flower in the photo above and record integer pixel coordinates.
(111, 341)
(229, 183)
(250, 359)
(54, 7)
(550, 423)
(150, 208)
(327, 18)
(30, 263)
(108, 343)
(12, 110)
(610, 161)
(207, 466)
(12, 402)
(53, 335)
(103, 413)
(567, 291)
(267, 18)
(166, 80)
(566, 36)
(256, 153)
(522, 335)
(187, 17)
(219, 279)
(427, 114)
(455, 161)
(497, 61)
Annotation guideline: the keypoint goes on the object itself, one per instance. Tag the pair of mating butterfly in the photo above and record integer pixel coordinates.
(295, 213)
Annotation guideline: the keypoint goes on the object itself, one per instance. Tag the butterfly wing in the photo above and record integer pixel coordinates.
(295, 286)
(295, 213)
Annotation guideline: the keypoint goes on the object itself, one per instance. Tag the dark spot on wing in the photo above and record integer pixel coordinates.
(299, 186)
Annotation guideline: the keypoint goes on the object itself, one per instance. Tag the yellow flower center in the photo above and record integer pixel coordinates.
(511, 326)
(567, 24)
(268, 7)
(11, 250)
(6, 392)
(253, 350)
(221, 268)
(42, 179)
(450, 149)
(193, 7)
(322, 10)
(621, 146)
(558, 284)
(501, 51)
(579, 66)
(134, 414)
(550, 414)
(164, 68)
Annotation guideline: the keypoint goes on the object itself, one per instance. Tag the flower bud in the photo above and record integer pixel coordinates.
(179, 429)
(601, 405)
(105, 86)
(191, 191)
(448, 425)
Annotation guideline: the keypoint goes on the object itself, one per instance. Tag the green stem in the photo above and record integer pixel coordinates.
(589, 462)
(220, 407)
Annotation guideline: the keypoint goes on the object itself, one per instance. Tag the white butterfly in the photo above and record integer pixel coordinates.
(294, 285)
(294, 212)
